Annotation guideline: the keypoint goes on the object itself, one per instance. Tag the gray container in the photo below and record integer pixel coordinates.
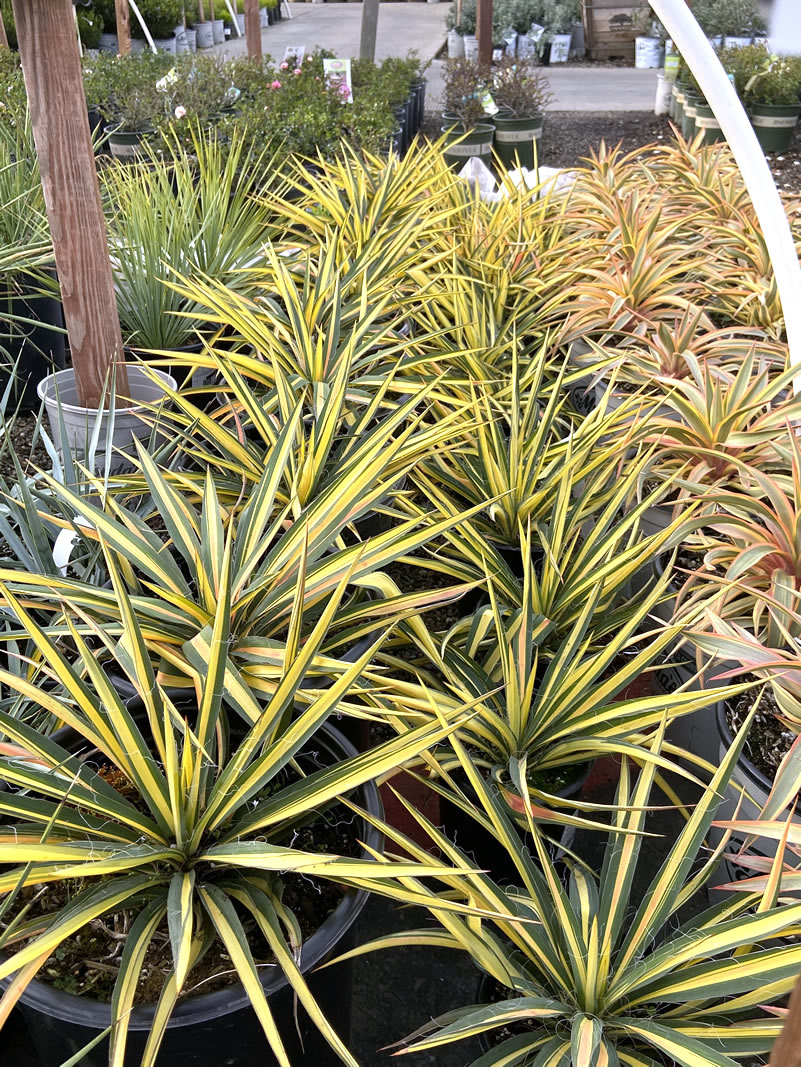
(218, 31)
(205, 34)
(60, 394)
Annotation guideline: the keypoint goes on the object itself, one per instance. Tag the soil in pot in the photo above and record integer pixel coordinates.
(768, 740)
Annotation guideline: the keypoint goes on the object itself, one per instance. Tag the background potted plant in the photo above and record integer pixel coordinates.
(162, 18)
(521, 94)
(771, 95)
(468, 134)
(558, 17)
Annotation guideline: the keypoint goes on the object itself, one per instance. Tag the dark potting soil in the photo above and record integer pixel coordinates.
(17, 436)
(570, 136)
(88, 963)
(768, 740)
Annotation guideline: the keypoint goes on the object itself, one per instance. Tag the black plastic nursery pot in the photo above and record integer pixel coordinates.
(97, 128)
(125, 145)
(419, 92)
(488, 853)
(515, 139)
(402, 118)
(220, 1029)
(30, 350)
(741, 805)
(475, 144)
(774, 125)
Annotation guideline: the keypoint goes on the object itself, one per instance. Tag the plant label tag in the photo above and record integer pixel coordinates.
(337, 77)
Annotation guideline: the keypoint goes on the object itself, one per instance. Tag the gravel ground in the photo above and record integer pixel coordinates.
(569, 136)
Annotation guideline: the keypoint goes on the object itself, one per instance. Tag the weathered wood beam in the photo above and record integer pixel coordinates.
(369, 29)
(52, 70)
(253, 28)
(123, 13)
(484, 31)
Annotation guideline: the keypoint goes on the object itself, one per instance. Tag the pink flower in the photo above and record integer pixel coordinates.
(180, 112)
(308, 59)
(297, 70)
(275, 85)
(284, 66)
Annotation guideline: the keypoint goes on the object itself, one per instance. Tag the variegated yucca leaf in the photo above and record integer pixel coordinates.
(603, 972)
(541, 707)
(173, 579)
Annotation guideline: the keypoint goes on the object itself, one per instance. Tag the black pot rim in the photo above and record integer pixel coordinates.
(748, 769)
(82, 1011)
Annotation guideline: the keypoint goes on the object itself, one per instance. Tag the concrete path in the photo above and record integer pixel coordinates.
(419, 27)
(402, 28)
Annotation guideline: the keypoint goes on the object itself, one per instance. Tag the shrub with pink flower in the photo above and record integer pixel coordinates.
(297, 70)
(284, 66)
(275, 85)
(180, 112)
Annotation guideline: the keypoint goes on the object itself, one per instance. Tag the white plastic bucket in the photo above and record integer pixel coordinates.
(166, 44)
(560, 47)
(205, 34)
(264, 18)
(455, 45)
(191, 40)
(736, 42)
(470, 47)
(664, 91)
(60, 393)
(240, 21)
(109, 43)
(647, 53)
(218, 31)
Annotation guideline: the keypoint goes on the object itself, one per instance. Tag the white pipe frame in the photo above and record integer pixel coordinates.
(134, 7)
(699, 55)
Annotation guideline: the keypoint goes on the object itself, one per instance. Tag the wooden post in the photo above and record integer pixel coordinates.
(3, 37)
(787, 1047)
(253, 28)
(52, 70)
(201, 15)
(123, 13)
(484, 31)
(369, 30)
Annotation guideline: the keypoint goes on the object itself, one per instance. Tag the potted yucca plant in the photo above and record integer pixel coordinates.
(542, 703)
(521, 94)
(468, 131)
(609, 967)
(184, 846)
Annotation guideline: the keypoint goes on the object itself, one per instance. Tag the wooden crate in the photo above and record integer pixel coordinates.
(609, 29)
